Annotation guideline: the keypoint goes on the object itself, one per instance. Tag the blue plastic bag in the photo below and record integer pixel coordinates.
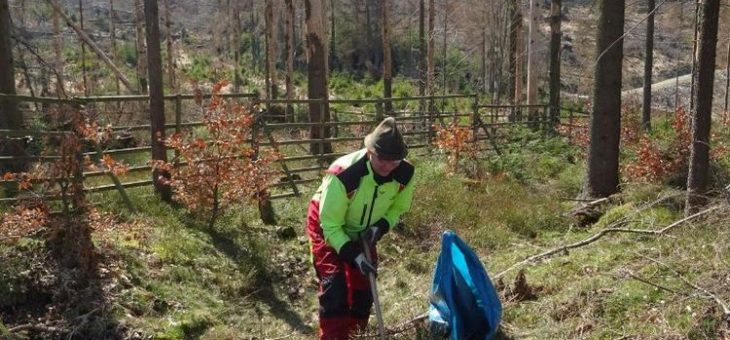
(464, 303)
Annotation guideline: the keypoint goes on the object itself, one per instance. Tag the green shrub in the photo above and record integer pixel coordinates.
(128, 53)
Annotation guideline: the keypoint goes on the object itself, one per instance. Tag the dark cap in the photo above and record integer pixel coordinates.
(387, 141)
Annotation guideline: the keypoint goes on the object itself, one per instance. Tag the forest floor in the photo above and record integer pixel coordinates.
(163, 273)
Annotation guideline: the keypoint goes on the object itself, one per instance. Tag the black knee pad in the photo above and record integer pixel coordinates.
(333, 296)
(362, 302)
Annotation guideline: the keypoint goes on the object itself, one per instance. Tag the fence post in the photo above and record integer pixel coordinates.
(570, 126)
(379, 110)
(178, 124)
(336, 133)
(429, 122)
(473, 117)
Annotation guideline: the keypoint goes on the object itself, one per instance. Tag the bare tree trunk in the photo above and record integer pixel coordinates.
(532, 57)
(512, 62)
(676, 73)
(21, 58)
(289, 37)
(170, 53)
(699, 165)
(369, 44)
(113, 38)
(157, 103)
(333, 62)
(58, 55)
(483, 71)
(648, 66)
(695, 52)
(431, 39)
(271, 50)
(519, 56)
(555, 37)
(237, 31)
(317, 74)
(727, 85)
(217, 30)
(602, 173)
(254, 42)
(422, 55)
(444, 54)
(387, 62)
(10, 116)
(141, 49)
(83, 49)
(91, 44)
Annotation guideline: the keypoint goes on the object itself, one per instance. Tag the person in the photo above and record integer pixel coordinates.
(362, 196)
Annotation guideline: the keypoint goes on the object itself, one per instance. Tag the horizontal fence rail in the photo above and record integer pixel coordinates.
(291, 137)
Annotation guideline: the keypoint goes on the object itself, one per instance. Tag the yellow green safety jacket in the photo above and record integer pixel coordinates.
(353, 197)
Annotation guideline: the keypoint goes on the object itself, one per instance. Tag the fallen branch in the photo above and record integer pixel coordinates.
(37, 327)
(404, 326)
(705, 291)
(85, 38)
(599, 235)
(655, 285)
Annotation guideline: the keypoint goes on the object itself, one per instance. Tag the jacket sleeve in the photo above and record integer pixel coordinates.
(401, 204)
(333, 205)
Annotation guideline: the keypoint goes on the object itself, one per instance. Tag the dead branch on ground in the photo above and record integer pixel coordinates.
(612, 229)
(704, 291)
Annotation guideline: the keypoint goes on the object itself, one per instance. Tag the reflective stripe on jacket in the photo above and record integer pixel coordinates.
(352, 197)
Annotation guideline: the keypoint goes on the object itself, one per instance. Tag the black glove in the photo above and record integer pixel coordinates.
(352, 253)
(375, 232)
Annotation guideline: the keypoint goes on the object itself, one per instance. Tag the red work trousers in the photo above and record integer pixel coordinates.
(345, 299)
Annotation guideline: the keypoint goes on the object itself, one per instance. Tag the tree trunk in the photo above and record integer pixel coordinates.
(725, 113)
(444, 54)
(254, 39)
(699, 165)
(58, 55)
(266, 210)
(237, 31)
(370, 60)
(333, 43)
(21, 59)
(83, 49)
(532, 57)
(317, 74)
(695, 52)
(271, 50)
(422, 54)
(483, 71)
(387, 62)
(289, 37)
(512, 58)
(605, 134)
(519, 57)
(648, 66)
(157, 103)
(170, 53)
(10, 116)
(430, 66)
(141, 49)
(113, 38)
(555, 37)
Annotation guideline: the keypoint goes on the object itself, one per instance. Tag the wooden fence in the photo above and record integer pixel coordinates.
(350, 121)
